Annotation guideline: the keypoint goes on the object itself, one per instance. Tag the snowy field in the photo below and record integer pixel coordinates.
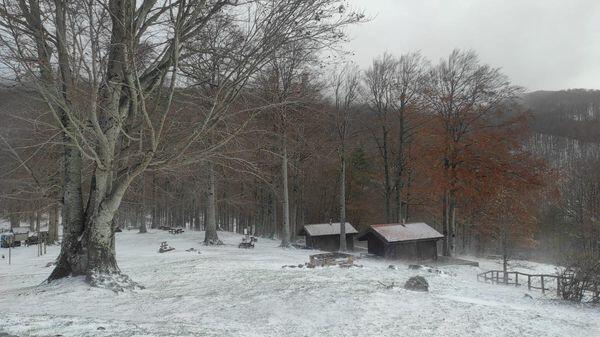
(226, 291)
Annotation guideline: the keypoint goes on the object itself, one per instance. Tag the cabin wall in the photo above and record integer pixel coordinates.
(427, 250)
(401, 250)
(375, 246)
(329, 242)
(415, 250)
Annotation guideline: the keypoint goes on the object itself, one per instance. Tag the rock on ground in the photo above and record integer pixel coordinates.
(417, 283)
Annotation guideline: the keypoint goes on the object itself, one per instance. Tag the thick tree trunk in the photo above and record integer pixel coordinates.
(343, 247)
(32, 221)
(408, 189)
(445, 227)
(387, 181)
(53, 224)
(452, 223)
(14, 219)
(285, 235)
(97, 259)
(210, 235)
(449, 203)
(72, 214)
(505, 254)
(197, 211)
(407, 200)
(100, 245)
(399, 185)
(91, 253)
(154, 220)
(398, 202)
(38, 220)
(142, 220)
(296, 203)
(142, 215)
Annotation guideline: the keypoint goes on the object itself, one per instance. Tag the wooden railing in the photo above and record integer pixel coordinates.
(541, 282)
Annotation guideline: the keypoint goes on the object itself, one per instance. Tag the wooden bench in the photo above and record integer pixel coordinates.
(248, 242)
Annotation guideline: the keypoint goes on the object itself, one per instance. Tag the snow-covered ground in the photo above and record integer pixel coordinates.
(226, 291)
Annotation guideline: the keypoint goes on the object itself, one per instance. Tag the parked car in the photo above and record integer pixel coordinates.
(6, 239)
(17, 235)
(32, 240)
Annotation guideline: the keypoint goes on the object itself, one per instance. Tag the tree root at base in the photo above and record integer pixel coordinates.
(116, 281)
(213, 242)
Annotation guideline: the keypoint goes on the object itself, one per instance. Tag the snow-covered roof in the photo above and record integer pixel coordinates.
(404, 232)
(327, 229)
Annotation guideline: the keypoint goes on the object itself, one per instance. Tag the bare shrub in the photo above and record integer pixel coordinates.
(581, 278)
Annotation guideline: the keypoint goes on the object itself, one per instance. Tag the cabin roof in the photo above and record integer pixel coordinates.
(397, 232)
(327, 229)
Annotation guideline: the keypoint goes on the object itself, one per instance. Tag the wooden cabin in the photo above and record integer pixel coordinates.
(411, 241)
(327, 236)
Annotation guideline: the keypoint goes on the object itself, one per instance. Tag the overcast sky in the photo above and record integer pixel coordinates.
(539, 44)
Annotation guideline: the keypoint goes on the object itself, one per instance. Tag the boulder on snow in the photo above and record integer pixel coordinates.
(417, 283)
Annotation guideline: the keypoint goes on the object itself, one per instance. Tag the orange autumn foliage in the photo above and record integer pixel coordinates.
(496, 181)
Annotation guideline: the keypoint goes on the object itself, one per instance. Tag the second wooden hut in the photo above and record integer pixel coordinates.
(326, 236)
(411, 241)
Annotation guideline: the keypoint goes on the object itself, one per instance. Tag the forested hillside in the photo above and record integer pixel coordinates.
(566, 133)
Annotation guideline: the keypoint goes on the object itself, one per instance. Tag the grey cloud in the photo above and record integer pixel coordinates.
(539, 44)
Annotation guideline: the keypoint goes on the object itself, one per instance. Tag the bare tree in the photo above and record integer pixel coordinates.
(346, 84)
(286, 81)
(408, 84)
(460, 92)
(380, 83)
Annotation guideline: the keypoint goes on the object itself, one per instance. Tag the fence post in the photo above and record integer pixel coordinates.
(516, 279)
(543, 289)
(528, 282)
(558, 286)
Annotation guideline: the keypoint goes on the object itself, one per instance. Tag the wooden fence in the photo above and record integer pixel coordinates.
(542, 282)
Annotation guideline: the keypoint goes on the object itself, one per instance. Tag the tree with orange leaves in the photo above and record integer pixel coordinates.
(461, 94)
